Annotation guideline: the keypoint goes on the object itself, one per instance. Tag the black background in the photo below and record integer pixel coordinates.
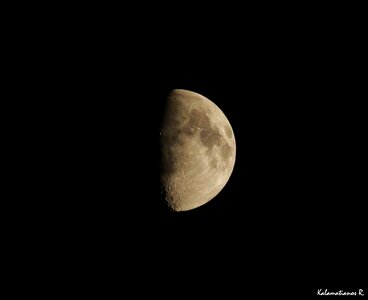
(292, 209)
(291, 215)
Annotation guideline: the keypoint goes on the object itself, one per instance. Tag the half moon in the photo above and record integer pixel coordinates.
(197, 150)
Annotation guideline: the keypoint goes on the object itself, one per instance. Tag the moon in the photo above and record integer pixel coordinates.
(197, 147)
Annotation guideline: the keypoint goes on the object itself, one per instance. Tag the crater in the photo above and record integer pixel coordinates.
(228, 132)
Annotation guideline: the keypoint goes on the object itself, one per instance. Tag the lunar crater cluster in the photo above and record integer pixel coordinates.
(197, 150)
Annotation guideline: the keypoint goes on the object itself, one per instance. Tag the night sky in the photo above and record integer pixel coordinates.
(293, 204)
(291, 213)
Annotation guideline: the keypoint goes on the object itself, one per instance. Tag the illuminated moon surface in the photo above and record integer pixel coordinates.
(197, 150)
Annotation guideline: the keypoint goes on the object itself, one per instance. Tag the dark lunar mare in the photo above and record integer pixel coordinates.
(171, 135)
